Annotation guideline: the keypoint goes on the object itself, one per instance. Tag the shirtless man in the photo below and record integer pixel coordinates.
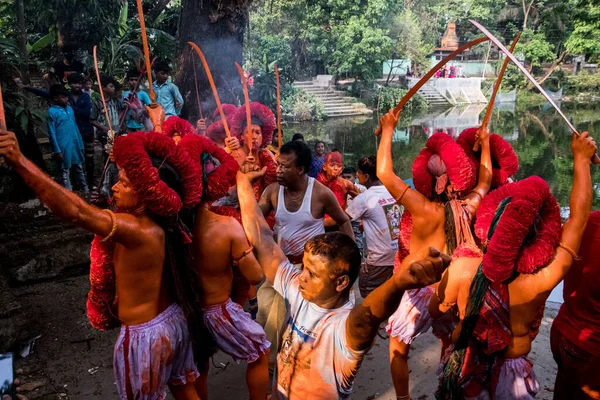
(146, 311)
(219, 242)
(327, 336)
(443, 175)
(526, 257)
(300, 203)
(333, 165)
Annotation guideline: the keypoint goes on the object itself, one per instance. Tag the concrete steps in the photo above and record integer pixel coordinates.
(336, 102)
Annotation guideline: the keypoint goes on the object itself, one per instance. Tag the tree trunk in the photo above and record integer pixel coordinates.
(217, 27)
(22, 41)
(555, 65)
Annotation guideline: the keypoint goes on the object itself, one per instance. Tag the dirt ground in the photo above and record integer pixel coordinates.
(74, 361)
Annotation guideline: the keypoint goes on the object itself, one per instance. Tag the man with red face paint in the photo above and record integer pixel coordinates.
(330, 176)
(128, 260)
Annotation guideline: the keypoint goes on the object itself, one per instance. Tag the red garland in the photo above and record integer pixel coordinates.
(461, 170)
(502, 153)
(132, 154)
(222, 177)
(263, 113)
(101, 297)
(177, 125)
(266, 160)
(228, 109)
(505, 251)
(216, 130)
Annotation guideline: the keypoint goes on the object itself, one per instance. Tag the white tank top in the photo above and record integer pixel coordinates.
(294, 229)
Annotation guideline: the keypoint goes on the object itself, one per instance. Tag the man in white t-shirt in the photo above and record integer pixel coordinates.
(380, 215)
(326, 337)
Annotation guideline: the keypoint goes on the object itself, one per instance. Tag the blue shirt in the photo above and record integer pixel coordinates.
(166, 95)
(82, 108)
(316, 166)
(64, 135)
(132, 119)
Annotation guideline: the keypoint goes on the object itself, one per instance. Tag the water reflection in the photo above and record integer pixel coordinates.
(538, 135)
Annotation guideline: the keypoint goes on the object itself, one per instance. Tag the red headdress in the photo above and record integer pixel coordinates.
(531, 207)
(504, 158)
(216, 178)
(460, 170)
(216, 130)
(175, 125)
(261, 115)
(332, 182)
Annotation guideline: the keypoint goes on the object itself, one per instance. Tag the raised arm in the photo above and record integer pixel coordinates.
(333, 209)
(485, 173)
(242, 254)
(265, 202)
(412, 200)
(583, 148)
(257, 230)
(65, 204)
(417, 270)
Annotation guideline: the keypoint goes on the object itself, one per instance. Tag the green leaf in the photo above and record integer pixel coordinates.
(19, 110)
(42, 43)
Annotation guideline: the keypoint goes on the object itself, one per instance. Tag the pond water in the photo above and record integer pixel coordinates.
(538, 135)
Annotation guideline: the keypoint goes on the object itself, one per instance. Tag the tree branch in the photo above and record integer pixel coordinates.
(155, 12)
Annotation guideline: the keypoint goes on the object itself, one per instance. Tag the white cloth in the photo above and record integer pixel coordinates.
(315, 362)
(380, 215)
(294, 229)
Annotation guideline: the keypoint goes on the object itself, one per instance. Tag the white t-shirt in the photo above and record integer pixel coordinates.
(380, 216)
(314, 362)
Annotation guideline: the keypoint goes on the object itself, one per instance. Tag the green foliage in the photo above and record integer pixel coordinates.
(534, 48)
(303, 106)
(389, 97)
(409, 35)
(584, 82)
(585, 38)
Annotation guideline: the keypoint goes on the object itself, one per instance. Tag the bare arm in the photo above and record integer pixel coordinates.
(65, 204)
(446, 292)
(485, 174)
(414, 201)
(265, 200)
(333, 209)
(423, 268)
(247, 264)
(257, 230)
(580, 204)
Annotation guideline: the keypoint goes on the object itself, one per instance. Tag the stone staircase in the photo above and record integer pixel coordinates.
(337, 102)
(432, 96)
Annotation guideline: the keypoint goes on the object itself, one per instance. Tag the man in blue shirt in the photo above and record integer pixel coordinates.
(167, 94)
(65, 138)
(136, 101)
(81, 103)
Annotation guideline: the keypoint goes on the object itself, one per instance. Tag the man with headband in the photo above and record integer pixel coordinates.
(501, 296)
(130, 250)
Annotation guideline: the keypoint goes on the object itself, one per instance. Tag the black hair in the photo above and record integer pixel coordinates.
(319, 142)
(349, 170)
(341, 251)
(106, 80)
(162, 66)
(368, 166)
(75, 78)
(335, 149)
(58, 90)
(133, 73)
(297, 136)
(179, 272)
(302, 152)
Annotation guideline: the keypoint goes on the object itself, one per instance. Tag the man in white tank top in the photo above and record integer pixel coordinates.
(300, 203)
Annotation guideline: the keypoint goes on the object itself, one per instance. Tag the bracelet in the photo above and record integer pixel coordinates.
(406, 397)
(569, 250)
(399, 199)
(478, 194)
(113, 218)
(236, 261)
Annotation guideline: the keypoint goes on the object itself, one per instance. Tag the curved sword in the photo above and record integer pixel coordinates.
(279, 136)
(413, 90)
(493, 39)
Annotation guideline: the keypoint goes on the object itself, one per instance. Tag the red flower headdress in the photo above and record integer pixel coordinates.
(132, 153)
(503, 155)
(219, 179)
(101, 299)
(261, 115)
(460, 169)
(531, 204)
(175, 125)
(216, 130)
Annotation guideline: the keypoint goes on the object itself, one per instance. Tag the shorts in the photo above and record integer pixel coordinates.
(373, 276)
(412, 317)
(234, 331)
(152, 355)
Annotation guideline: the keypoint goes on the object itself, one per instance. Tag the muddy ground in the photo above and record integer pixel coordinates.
(74, 361)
